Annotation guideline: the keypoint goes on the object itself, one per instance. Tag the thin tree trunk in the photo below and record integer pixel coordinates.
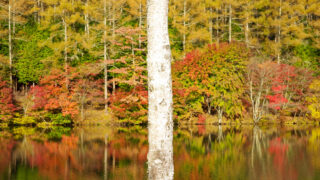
(38, 12)
(140, 22)
(217, 23)
(66, 52)
(230, 23)
(210, 26)
(184, 25)
(279, 33)
(42, 8)
(105, 58)
(82, 110)
(160, 136)
(113, 39)
(86, 17)
(13, 18)
(220, 113)
(10, 45)
(246, 31)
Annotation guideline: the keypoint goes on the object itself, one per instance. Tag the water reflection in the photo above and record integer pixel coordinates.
(200, 152)
(160, 154)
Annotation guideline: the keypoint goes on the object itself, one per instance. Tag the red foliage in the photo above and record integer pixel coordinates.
(201, 119)
(276, 100)
(52, 95)
(7, 106)
(130, 104)
(286, 83)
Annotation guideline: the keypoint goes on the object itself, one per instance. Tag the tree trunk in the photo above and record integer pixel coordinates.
(140, 22)
(105, 58)
(279, 33)
(184, 25)
(160, 155)
(113, 39)
(220, 113)
(86, 17)
(66, 52)
(210, 26)
(246, 31)
(230, 23)
(13, 18)
(217, 23)
(82, 111)
(38, 12)
(10, 45)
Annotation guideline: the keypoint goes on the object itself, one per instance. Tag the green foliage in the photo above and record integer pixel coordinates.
(29, 54)
(308, 58)
(56, 132)
(58, 119)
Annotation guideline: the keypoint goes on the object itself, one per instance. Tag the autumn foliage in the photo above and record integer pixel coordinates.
(52, 95)
(210, 81)
(7, 106)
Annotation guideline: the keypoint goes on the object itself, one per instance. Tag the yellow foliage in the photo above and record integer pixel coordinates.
(314, 100)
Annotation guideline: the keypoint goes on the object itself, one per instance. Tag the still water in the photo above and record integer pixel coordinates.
(200, 152)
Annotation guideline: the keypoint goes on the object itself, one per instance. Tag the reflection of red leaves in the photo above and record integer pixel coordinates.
(278, 149)
(200, 124)
(52, 158)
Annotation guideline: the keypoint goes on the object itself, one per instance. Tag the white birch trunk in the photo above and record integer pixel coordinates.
(113, 39)
(86, 17)
(105, 58)
(279, 33)
(184, 25)
(13, 18)
(230, 23)
(140, 22)
(217, 23)
(10, 45)
(210, 25)
(160, 155)
(246, 32)
(66, 51)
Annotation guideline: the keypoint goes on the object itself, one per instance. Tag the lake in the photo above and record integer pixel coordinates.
(200, 152)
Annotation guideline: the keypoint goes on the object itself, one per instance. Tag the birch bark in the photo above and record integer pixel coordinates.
(160, 155)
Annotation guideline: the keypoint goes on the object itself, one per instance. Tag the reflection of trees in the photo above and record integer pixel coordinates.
(242, 153)
(217, 154)
(160, 155)
(259, 145)
(105, 162)
(220, 133)
(258, 150)
(76, 157)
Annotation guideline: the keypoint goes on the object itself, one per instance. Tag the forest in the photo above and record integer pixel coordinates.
(68, 62)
